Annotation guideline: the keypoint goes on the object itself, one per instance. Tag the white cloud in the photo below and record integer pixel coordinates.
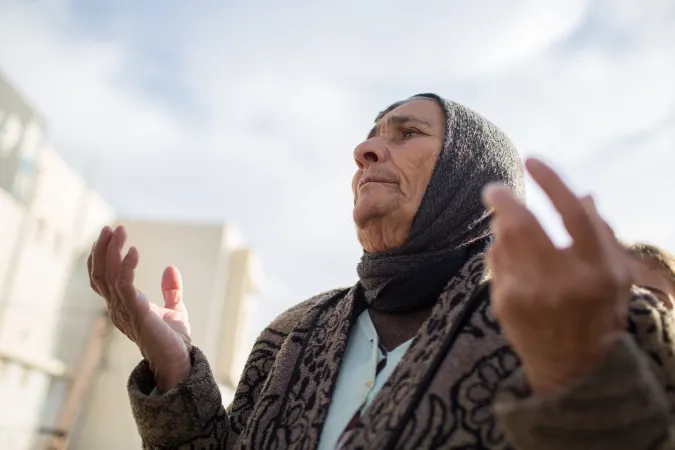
(283, 94)
(384, 40)
(76, 82)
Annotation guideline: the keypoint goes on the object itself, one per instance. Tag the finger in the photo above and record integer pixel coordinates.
(494, 260)
(127, 308)
(172, 289)
(98, 262)
(515, 228)
(124, 284)
(114, 257)
(500, 279)
(575, 219)
(604, 230)
(618, 258)
(89, 266)
(492, 267)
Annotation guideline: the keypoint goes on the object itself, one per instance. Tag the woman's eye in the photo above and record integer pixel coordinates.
(407, 134)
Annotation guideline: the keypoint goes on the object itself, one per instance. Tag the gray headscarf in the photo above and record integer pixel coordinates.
(451, 216)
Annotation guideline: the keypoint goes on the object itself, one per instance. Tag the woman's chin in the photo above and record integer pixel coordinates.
(365, 211)
(374, 205)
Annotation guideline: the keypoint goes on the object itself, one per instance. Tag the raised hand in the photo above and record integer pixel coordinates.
(161, 333)
(562, 310)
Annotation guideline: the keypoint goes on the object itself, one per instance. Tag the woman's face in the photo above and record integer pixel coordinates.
(655, 280)
(394, 166)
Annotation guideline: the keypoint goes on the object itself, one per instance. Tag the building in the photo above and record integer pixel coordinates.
(63, 367)
(220, 278)
(47, 218)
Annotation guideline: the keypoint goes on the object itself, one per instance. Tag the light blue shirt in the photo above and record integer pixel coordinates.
(357, 384)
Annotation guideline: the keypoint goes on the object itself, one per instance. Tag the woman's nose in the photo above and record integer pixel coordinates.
(369, 152)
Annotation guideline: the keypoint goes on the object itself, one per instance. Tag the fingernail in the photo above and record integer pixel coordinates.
(533, 162)
(588, 201)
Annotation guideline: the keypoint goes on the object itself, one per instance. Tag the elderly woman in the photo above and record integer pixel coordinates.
(548, 349)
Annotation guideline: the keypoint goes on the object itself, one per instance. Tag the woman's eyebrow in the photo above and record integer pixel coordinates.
(397, 120)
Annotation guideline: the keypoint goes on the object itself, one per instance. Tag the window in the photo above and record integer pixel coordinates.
(40, 229)
(26, 375)
(32, 140)
(10, 134)
(23, 184)
(58, 242)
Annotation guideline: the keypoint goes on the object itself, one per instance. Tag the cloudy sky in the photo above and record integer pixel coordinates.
(214, 110)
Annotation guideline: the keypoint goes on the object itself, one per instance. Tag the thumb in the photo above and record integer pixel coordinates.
(172, 288)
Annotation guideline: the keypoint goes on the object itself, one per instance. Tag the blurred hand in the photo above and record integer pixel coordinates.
(562, 310)
(161, 333)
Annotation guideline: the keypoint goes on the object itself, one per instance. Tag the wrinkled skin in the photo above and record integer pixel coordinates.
(562, 310)
(394, 167)
(162, 334)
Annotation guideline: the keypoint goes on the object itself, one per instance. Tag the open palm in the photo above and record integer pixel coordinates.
(162, 334)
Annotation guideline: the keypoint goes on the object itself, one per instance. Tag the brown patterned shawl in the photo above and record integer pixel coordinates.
(457, 387)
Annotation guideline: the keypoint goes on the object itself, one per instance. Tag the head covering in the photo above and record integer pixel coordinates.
(452, 223)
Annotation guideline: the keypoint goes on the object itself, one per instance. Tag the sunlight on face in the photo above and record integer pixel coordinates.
(394, 166)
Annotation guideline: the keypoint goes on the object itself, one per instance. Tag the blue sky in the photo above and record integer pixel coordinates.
(221, 111)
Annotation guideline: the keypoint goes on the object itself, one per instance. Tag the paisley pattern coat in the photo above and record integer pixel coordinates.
(457, 387)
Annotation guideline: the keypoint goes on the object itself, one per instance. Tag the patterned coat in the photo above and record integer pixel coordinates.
(457, 387)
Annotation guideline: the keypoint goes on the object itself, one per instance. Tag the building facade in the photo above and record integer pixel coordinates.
(57, 388)
(47, 217)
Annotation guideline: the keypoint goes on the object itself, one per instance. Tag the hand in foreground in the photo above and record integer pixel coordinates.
(161, 333)
(562, 310)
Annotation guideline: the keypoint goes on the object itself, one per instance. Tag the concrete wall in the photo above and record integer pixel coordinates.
(45, 207)
(236, 318)
(42, 241)
(22, 133)
(11, 218)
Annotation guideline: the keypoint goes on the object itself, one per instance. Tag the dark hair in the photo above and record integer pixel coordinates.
(651, 254)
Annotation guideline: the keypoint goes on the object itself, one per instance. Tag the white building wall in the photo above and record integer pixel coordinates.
(236, 318)
(46, 256)
(48, 232)
(40, 199)
(11, 217)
